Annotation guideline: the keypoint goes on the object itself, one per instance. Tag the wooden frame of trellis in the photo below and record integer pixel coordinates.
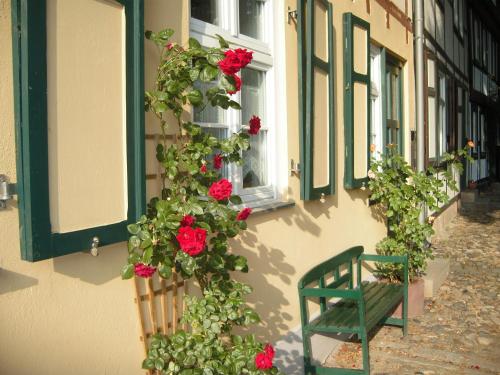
(159, 305)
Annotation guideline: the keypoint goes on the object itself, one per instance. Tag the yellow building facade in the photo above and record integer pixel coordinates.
(73, 313)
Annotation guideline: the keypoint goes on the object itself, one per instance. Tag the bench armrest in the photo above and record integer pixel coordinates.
(385, 258)
(331, 293)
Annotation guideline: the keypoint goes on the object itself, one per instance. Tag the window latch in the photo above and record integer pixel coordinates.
(7, 191)
(294, 168)
(292, 15)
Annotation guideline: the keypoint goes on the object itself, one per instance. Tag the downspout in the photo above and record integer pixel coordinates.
(419, 80)
(419, 87)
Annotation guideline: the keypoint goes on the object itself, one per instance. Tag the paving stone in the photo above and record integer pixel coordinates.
(460, 330)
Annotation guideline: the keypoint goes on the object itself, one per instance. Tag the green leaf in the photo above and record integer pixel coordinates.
(147, 255)
(159, 107)
(194, 74)
(127, 271)
(193, 43)
(214, 57)
(133, 228)
(195, 97)
(148, 364)
(235, 199)
(165, 271)
(209, 73)
(222, 42)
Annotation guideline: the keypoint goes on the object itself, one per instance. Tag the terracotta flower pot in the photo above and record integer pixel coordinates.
(415, 300)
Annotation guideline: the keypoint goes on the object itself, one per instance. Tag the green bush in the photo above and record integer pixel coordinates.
(402, 193)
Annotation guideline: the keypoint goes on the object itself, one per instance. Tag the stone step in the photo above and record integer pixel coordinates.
(436, 273)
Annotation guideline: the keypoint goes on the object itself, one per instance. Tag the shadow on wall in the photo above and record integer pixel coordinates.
(12, 281)
(265, 261)
(93, 270)
(270, 261)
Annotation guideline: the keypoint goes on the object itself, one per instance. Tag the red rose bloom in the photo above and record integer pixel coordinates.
(188, 221)
(192, 240)
(263, 361)
(220, 190)
(143, 270)
(244, 56)
(237, 84)
(269, 350)
(217, 161)
(230, 64)
(203, 168)
(244, 214)
(170, 46)
(254, 125)
(234, 61)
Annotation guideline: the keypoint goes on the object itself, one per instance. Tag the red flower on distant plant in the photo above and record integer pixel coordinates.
(234, 61)
(237, 85)
(192, 240)
(244, 214)
(220, 190)
(254, 125)
(203, 169)
(188, 221)
(264, 360)
(170, 46)
(143, 270)
(217, 161)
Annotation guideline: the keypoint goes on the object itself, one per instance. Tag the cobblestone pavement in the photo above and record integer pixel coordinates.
(460, 330)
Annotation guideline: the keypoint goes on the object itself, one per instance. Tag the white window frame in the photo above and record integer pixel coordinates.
(442, 116)
(377, 123)
(268, 57)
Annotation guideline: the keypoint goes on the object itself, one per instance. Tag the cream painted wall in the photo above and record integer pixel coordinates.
(73, 315)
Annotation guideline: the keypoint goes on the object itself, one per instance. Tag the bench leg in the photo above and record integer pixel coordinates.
(405, 314)
(366, 353)
(306, 342)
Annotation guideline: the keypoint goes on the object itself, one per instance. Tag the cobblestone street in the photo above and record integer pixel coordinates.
(460, 330)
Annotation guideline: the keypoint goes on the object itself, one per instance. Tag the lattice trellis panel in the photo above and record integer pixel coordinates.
(160, 304)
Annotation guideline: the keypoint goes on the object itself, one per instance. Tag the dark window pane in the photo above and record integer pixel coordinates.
(205, 10)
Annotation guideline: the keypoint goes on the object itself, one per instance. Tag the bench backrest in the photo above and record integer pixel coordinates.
(334, 264)
(319, 273)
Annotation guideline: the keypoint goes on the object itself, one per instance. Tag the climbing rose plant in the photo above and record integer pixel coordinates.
(187, 228)
(402, 193)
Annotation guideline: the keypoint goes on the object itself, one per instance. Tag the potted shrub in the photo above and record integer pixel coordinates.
(189, 226)
(403, 193)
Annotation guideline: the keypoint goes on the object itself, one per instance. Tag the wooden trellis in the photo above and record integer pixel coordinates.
(160, 304)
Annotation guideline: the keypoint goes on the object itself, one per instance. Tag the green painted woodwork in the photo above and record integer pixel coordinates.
(308, 62)
(359, 309)
(30, 98)
(393, 73)
(350, 78)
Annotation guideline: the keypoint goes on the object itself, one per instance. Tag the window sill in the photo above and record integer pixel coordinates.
(270, 206)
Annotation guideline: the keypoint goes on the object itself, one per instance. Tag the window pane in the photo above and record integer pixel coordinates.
(252, 18)
(208, 114)
(255, 167)
(219, 133)
(253, 91)
(205, 10)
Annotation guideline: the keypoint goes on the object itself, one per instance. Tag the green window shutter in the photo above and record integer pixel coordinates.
(317, 132)
(356, 131)
(30, 93)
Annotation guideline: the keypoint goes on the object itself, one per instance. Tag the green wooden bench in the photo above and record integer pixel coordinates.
(357, 310)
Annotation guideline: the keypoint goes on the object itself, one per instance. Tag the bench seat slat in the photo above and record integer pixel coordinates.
(379, 299)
